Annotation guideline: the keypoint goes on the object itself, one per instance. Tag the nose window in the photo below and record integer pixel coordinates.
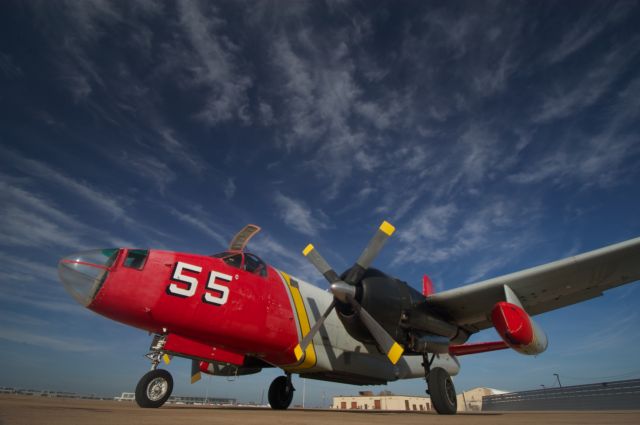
(136, 258)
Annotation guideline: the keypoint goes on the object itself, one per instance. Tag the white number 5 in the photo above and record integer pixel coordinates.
(223, 291)
(191, 281)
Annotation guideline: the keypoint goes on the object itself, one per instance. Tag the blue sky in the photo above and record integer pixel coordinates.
(495, 135)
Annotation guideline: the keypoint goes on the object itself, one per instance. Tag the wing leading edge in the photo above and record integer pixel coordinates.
(546, 287)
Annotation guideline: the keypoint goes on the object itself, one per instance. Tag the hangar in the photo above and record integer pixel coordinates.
(467, 401)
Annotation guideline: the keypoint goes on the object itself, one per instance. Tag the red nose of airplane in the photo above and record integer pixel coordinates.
(83, 273)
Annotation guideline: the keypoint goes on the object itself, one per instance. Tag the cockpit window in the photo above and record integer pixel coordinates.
(136, 258)
(254, 265)
(111, 255)
(234, 259)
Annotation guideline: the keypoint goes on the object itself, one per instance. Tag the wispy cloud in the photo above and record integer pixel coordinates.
(28, 220)
(27, 298)
(587, 28)
(441, 233)
(214, 64)
(578, 93)
(229, 188)
(179, 150)
(8, 66)
(199, 222)
(430, 224)
(296, 214)
(617, 334)
(586, 160)
(58, 343)
(151, 168)
(25, 269)
(288, 259)
(105, 202)
(327, 116)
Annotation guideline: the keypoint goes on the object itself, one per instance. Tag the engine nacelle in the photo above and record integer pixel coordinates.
(517, 329)
(400, 311)
(385, 298)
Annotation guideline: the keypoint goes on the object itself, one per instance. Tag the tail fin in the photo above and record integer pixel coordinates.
(427, 286)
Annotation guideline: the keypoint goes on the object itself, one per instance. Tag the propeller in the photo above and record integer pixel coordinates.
(345, 291)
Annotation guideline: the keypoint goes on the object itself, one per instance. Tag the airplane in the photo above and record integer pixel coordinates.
(232, 314)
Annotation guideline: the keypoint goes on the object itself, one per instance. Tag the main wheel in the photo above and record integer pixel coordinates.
(442, 391)
(154, 388)
(280, 393)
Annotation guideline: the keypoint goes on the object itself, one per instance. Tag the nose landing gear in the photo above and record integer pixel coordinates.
(155, 386)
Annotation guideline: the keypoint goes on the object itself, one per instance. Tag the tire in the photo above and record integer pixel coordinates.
(442, 391)
(280, 393)
(154, 388)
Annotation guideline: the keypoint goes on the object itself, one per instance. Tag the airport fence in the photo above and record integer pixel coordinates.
(618, 395)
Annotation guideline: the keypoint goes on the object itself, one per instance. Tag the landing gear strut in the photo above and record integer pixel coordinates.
(440, 387)
(281, 392)
(155, 386)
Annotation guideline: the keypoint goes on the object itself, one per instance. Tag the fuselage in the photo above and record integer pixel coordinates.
(258, 311)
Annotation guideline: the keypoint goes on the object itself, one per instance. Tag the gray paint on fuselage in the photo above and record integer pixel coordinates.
(338, 353)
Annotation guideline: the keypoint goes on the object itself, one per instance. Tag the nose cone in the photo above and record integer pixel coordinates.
(83, 274)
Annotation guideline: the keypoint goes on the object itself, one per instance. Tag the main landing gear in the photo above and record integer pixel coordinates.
(281, 392)
(155, 386)
(440, 387)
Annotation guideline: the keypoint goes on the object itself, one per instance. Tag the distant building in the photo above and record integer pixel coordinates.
(471, 400)
(186, 400)
(125, 397)
(383, 401)
(468, 401)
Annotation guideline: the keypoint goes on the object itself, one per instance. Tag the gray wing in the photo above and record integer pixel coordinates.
(546, 287)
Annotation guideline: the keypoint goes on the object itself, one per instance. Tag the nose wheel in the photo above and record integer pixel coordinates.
(154, 388)
(281, 392)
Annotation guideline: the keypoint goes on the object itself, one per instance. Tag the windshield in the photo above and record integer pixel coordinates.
(244, 261)
(234, 259)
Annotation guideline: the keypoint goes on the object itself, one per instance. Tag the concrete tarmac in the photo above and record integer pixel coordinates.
(34, 410)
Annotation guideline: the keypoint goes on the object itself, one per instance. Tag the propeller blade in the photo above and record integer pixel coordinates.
(167, 358)
(195, 371)
(338, 287)
(301, 348)
(345, 291)
(370, 252)
(320, 263)
(392, 349)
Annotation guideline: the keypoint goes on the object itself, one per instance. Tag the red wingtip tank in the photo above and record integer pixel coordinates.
(517, 329)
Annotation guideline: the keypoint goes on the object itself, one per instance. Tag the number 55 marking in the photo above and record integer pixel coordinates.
(189, 284)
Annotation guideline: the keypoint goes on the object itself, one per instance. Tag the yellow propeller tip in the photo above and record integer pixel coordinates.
(387, 228)
(395, 353)
(195, 378)
(307, 250)
(166, 359)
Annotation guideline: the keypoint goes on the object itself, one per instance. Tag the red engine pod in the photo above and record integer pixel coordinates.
(517, 329)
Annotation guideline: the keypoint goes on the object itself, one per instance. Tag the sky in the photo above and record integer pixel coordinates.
(494, 135)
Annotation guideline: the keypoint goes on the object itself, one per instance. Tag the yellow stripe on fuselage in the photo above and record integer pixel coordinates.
(303, 320)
